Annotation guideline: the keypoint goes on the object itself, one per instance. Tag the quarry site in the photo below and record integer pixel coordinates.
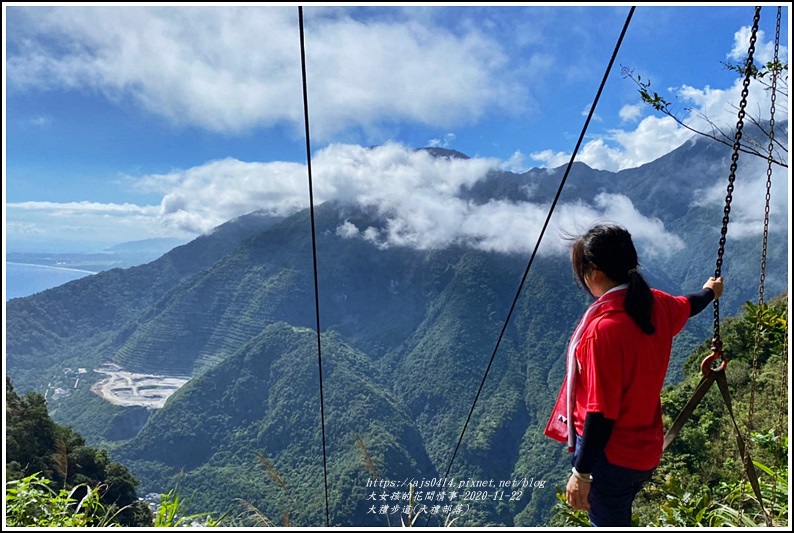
(128, 389)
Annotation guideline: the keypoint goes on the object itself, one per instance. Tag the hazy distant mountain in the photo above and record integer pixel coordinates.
(122, 255)
(28, 273)
(45, 331)
(407, 337)
(161, 245)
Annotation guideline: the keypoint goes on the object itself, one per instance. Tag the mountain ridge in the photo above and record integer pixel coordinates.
(235, 310)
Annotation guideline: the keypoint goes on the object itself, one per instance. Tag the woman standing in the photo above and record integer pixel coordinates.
(609, 408)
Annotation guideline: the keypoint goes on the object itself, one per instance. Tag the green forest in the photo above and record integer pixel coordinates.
(54, 479)
(406, 336)
(50, 471)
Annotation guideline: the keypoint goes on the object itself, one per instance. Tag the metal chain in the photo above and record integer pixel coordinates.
(770, 150)
(717, 341)
(764, 246)
(760, 309)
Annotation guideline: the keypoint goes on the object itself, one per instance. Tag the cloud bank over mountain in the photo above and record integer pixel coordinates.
(417, 195)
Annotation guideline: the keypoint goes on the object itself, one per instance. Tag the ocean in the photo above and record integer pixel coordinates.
(24, 279)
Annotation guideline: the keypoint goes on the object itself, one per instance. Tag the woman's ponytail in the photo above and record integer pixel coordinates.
(639, 301)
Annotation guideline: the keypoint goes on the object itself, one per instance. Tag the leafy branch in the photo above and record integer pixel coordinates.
(717, 133)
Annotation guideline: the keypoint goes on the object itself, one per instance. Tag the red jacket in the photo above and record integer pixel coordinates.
(620, 373)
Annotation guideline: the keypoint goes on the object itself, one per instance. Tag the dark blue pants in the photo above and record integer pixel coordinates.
(612, 491)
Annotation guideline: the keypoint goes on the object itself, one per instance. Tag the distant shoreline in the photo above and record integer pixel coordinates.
(51, 266)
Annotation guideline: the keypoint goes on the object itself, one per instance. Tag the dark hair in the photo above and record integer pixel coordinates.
(609, 248)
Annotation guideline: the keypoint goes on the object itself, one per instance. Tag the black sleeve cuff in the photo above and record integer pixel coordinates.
(597, 430)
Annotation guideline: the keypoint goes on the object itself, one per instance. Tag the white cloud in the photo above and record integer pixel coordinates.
(515, 164)
(630, 113)
(586, 111)
(621, 149)
(84, 208)
(598, 154)
(748, 198)
(446, 142)
(220, 78)
(655, 136)
(222, 69)
(89, 222)
(550, 159)
(236, 69)
(232, 69)
(764, 51)
(417, 197)
(203, 197)
(706, 106)
(347, 230)
(649, 233)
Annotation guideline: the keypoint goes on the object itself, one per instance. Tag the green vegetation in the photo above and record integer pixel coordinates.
(54, 480)
(31, 501)
(77, 324)
(263, 403)
(49, 468)
(407, 336)
(170, 510)
(701, 481)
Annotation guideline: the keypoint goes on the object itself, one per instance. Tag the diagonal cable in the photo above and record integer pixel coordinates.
(314, 257)
(540, 237)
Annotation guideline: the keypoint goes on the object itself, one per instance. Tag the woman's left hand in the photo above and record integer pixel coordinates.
(578, 494)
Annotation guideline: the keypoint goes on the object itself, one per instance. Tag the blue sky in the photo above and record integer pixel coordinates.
(127, 122)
